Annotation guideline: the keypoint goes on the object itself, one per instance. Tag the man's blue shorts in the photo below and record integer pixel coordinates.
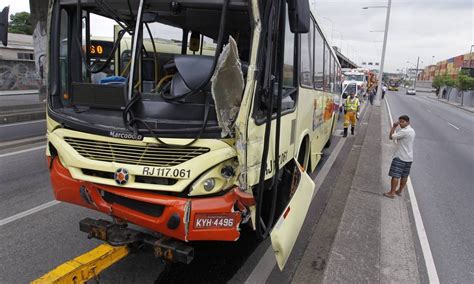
(399, 168)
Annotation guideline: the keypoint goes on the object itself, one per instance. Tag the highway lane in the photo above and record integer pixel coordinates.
(442, 176)
(27, 129)
(24, 181)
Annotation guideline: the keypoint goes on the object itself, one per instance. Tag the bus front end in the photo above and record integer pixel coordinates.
(189, 196)
(133, 128)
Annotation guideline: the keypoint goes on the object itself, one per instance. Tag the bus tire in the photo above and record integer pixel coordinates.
(328, 143)
(303, 154)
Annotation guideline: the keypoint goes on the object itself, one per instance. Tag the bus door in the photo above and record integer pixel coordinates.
(295, 190)
(288, 225)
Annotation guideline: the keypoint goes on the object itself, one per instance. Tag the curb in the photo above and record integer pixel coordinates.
(460, 107)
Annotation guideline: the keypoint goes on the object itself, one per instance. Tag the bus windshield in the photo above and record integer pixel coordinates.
(353, 77)
(150, 71)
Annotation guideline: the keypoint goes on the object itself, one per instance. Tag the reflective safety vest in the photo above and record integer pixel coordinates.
(352, 104)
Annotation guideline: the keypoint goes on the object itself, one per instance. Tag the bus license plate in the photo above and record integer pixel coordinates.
(215, 221)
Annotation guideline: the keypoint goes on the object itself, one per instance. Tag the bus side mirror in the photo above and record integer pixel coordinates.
(299, 16)
(4, 26)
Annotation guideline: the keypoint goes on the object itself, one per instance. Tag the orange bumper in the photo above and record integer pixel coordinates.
(155, 211)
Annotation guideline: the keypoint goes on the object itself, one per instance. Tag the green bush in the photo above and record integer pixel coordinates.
(464, 82)
(437, 82)
(448, 81)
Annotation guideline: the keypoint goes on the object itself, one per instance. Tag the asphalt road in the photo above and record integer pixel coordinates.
(443, 177)
(27, 129)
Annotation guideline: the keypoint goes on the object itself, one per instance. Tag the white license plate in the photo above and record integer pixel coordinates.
(215, 221)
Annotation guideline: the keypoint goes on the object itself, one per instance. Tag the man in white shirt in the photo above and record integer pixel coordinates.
(403, 156)
(384, 90)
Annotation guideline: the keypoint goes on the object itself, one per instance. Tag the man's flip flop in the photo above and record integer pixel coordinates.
(389, 196)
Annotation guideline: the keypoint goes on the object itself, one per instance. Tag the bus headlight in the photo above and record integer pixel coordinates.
(209, 184)
(214, 180)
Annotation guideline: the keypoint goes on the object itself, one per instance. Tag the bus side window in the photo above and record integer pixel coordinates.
(338, 79)
(332, 74)
(289, 78)
(327, 64)
(306, 62)
(289, 58)
(318, 60)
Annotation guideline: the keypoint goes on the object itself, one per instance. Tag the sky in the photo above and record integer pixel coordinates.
(433, 30)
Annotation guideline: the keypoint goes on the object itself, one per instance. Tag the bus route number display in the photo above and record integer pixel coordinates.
(100, 49)
(96, 49)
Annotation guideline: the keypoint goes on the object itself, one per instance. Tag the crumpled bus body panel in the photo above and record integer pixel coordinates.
(170, 215)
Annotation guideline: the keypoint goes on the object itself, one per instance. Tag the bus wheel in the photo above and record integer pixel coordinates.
(303, 155)
(328, 143)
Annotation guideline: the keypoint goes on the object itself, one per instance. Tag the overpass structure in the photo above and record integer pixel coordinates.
(344, 60)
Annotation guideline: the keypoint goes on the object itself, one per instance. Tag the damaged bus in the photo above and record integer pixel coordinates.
(189, 119)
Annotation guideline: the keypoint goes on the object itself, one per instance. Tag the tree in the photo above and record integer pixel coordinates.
(437, 82)
(464, 83)
(448, 80)
(20, 24)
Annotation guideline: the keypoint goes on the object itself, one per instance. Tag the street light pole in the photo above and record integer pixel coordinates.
(382, 61)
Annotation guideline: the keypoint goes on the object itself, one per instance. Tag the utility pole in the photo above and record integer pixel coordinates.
(416, 72)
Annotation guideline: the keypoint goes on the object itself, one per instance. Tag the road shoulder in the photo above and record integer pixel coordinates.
(466, 108)
(374, 241)
(398, 261)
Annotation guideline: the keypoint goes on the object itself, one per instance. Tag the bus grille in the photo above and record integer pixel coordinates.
(143, 155)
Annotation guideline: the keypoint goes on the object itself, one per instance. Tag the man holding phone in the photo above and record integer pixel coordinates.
(403, 156)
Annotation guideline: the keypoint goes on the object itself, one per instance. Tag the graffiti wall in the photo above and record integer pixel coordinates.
(18, 75)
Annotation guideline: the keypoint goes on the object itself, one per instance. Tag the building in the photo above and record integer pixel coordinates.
(17, 64)
(450, 66)
(20, 47)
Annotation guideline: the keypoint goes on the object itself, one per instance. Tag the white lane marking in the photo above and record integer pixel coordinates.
(265, 265)
(28, 212)
(389, 113)
(457, 128)
(425, 245)
(23, 123)
(22, 151)
(420, 228)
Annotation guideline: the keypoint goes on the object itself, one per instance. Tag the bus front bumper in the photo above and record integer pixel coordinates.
(214, 218)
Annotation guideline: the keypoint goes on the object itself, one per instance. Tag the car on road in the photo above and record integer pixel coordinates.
(392, 88)
(411, 91)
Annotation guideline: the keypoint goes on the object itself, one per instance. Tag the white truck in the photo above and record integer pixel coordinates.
(358, 78)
